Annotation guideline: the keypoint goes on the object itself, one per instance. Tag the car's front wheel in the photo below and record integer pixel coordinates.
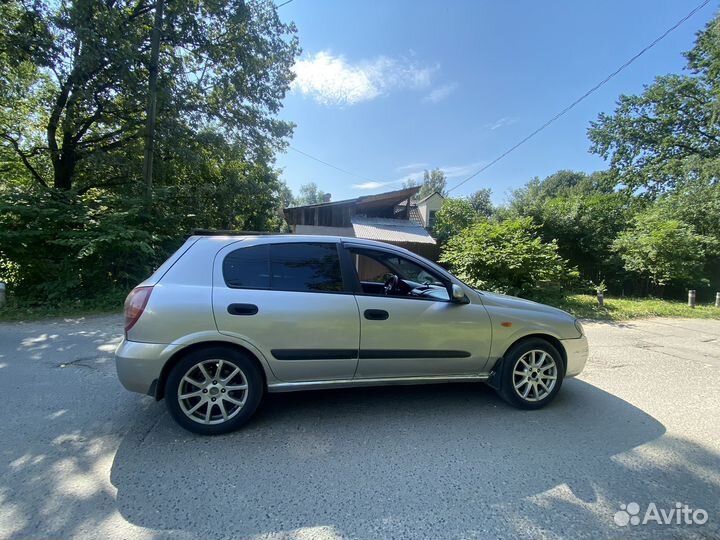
(214, 390)
(531, 374)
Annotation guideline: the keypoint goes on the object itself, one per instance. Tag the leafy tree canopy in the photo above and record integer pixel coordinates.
(74, 94)
(508, 257)
(671, 132)
(432, 181)
(310, 194)
(454, 216)
(663, 250)
(481, 203)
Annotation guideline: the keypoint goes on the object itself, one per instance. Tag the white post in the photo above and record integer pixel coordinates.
(691, 298)
(600, 299)
(3, 300)
(717, 299)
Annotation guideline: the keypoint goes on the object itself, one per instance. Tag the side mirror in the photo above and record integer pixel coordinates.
(458, 294)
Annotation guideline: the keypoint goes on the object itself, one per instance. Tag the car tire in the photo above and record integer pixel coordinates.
(206, 402)
(531, 374)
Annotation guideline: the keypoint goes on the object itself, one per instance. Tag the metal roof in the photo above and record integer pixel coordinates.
(390, 230)
(392, 196)
(433, 193)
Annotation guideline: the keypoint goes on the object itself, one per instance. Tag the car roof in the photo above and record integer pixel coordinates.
(287, 238)
(259, 239)
(223, 240)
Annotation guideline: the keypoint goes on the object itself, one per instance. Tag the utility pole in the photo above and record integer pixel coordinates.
(152, 100)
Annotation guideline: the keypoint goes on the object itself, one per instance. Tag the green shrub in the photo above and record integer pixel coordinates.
(454, 216)
(64, 247)
(664, 250)
(508, 257)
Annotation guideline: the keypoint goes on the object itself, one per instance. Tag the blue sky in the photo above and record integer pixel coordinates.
(385, 89)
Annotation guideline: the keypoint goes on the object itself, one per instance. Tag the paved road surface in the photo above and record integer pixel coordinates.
(81, 457)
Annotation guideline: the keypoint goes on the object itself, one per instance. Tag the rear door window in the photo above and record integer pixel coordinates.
(303, 267)
(248, 268)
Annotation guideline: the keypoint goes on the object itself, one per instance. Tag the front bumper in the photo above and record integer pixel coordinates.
(577, 355)
(139, 364)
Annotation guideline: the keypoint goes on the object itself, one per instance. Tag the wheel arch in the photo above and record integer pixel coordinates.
(159, 384)
(555, 342)
(552, 340)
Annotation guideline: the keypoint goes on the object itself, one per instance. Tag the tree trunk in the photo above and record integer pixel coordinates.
(64, 168)
(63, 160)
(152, 99)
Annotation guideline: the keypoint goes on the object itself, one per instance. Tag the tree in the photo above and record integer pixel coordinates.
(584, 227)
(432, 181)
(454, 216)
(285, 195)
(224, 65)
(663, 250)
(310, 194)
(529, 199)
(670, 132)
(481, 203)
(73, 98)
(696, 203)
(584, 214)
(508, 257)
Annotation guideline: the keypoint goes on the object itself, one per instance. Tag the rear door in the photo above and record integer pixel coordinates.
(288, 300)
(410, 336)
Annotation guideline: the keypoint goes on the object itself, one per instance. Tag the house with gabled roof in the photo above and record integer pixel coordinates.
(393, 217)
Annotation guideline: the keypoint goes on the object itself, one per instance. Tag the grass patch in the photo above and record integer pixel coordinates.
(618, 309)
(30, 311)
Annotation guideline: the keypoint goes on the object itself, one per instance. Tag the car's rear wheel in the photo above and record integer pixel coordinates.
(531, 374)
(213, 391)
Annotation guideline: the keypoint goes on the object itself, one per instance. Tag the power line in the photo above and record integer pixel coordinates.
(585, 95)
(331, 165)
(288, 1)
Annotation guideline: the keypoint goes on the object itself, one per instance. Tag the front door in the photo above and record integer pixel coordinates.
(409, 326)
(288, 300)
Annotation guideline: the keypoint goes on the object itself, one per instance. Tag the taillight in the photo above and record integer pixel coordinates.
(135, 305)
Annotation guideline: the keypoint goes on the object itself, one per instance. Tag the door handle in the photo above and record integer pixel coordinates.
(242, 309)
(376, 314)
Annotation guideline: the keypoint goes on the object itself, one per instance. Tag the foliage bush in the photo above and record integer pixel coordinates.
(454, 216)
(65, 247)
(663, 250)
(509, 257)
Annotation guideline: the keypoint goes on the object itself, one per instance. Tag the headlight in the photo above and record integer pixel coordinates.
(579, 327)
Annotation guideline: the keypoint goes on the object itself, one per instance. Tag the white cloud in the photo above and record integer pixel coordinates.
(440, 93)
(375, 185)
(333, 80)
(414, 166)
(502, 122)
(455, 171)
(451, 171)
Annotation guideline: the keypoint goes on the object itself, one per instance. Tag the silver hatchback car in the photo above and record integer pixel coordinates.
(228, 318)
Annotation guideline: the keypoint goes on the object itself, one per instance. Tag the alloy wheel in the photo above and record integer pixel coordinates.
(213, 391)
(535, 375)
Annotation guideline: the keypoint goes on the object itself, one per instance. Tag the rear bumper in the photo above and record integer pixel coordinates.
(577, 355)
(139, 364)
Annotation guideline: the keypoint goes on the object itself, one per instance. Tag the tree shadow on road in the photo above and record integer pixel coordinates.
(81, 457)
(433, 461)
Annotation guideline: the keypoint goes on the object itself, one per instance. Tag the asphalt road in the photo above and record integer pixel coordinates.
(81, 457)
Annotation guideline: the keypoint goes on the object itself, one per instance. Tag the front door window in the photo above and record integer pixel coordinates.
(388, 274)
